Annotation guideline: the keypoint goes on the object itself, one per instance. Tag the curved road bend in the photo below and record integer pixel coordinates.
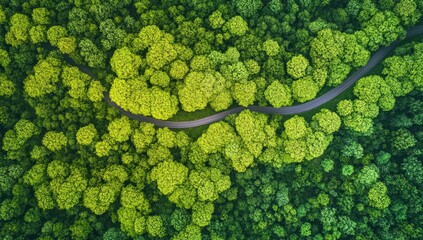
(291, 110)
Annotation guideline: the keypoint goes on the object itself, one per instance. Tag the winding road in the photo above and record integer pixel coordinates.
(291, 110)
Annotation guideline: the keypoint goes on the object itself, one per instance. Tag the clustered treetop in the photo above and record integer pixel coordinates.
(72, 167)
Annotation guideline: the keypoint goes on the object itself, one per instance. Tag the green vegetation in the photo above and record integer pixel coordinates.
(72, 167)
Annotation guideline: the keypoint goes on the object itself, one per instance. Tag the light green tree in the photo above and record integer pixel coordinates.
(133, 197)
(271, 47)
(166, 137)
(18, 31)
(304, 89)
(120, 129)
(44, 79)
(55, 141)
(236, 26)
(169, 175)
(148, 36)
(163, 104)
(216, 20)
(85, 135)
(7, 87)
(41, 16)
(278, 94)
(125, 64)
(55, 33)
(296, 66)
(378, 197)
(160, 78)
(295, 127)
(38, 34)
(178, 69)
(217, 136)
(160, 54)
(244, 93)
(328, 121)
(255, 131)
(67, 45)
(154, 225)
(202, 213)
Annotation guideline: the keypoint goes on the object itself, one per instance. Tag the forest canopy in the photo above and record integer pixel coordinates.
(73, 167)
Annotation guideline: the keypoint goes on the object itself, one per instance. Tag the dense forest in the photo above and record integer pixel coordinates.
(74, 167)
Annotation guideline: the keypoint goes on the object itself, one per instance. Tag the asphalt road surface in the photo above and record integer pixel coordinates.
(291, 110)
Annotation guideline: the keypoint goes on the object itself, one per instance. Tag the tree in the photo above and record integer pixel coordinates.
(55, 33)
(222, 100)
(120, 129)
(44, 79)
(217, 136)
(377, 196)
(370, 89)
(125, 64)
(406, 9)
(344, 107)
(179, 219)
(295, 127)
(304, 89)
(166, 137)
(123, 92)
(68, 192)
(55, 141)
(329, 122)
(163, 104)
(192, 231)
(160, 78)
(296, 66)
(154, 225)
(255, 131)
(412, 168)
(19, 28)
(202, 213)
(67, 45)
(131, 221)
(44, 197)
(244, 93)
(368, 175)
(306, 229)
(99, 198)
(112, 36)
(38, 34)
(199, 88)
(278, 94)
(239, 155)
(169, 175)
(86, 135)
(57, 169)
(382, 29)
(92, 55)
(158, 153)
(132, 197)
(271, 47)
(326, 47)
(403, 139)
(143, 136)
(236, 26)
(209, 183)
(160, 54)
(236, 72)
(7, 87)
(216, 20)
(5, 58)
(41, 16)
(178, 69)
